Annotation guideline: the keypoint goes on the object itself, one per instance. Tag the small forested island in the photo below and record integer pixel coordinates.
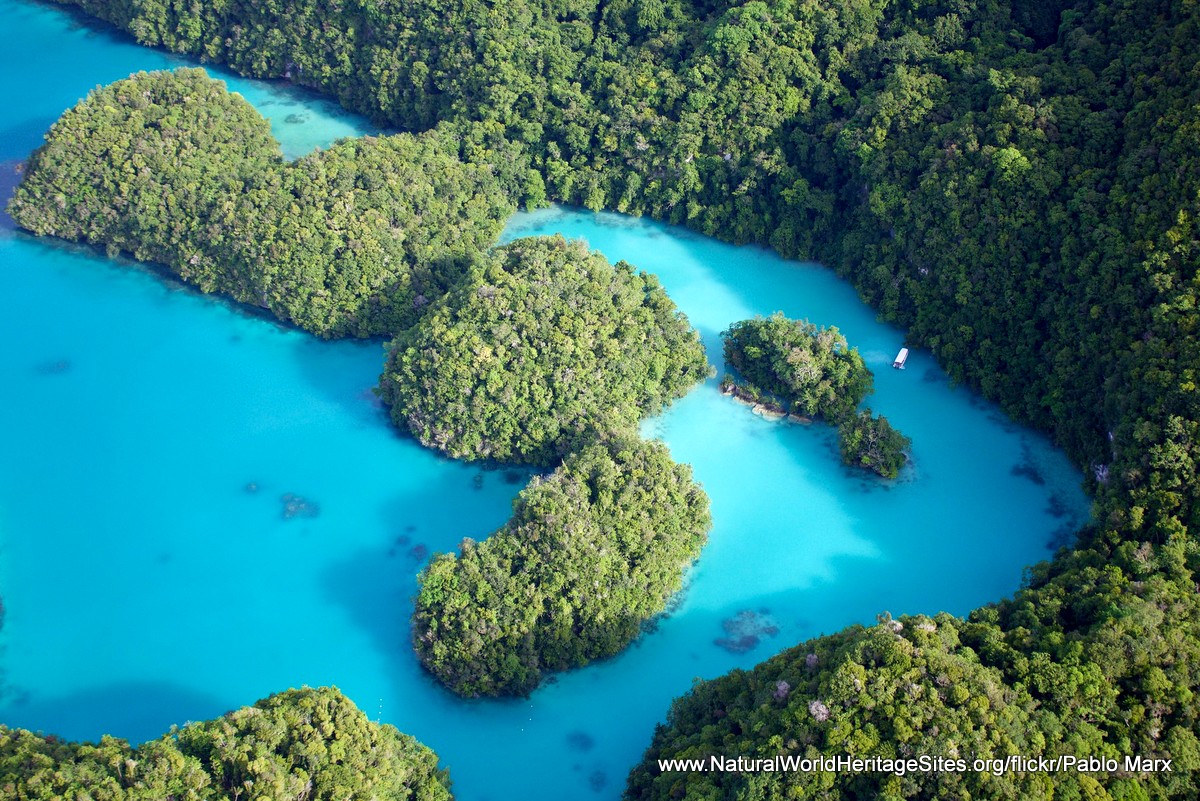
(867, 441)
(544, 346)
(301, 744)
(174, 169)
(812, 371)
(798, 368)
(591, 553)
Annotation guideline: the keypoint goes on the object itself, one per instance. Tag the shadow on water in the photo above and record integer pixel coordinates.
(346, 372)
(136, 711)
(18, 141)
(80, 21)
(376, 585)
(376, 591)
(10, 176)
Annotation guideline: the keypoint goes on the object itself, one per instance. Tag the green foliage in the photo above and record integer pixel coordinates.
(812, 370)
(591, 553)
(870, 442)
(898, 690)
(544, 347)
(299, 744)
(172, 168)
(1091, 659)
(1017, 186)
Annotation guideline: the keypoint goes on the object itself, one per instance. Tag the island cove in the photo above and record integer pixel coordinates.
(535, 353)
(356, 556)
(973, 656)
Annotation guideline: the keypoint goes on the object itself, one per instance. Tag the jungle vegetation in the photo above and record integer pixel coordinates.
(311, 744)
(870, 442)
(811, 371)
(349, 241)
(1015, 183)
(543, 348)
(525, 353)
(591, 553)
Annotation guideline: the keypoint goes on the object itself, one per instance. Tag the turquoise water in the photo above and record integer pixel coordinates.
(150, 436)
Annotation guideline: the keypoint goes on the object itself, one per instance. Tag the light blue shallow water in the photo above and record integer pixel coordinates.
(145, 585)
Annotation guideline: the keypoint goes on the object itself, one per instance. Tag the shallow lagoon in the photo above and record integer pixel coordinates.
(147, 584)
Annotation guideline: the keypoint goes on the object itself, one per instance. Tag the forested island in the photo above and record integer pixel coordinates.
(810, 371)
(591, 553)
(543, 348)
(871, 442)
(1016, 184)
(797, 368)
(311, 744)
(350, 241)
(540, 352)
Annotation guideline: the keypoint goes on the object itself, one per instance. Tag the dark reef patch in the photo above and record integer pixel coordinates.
(598, 780)
(745, 630)
(298, 506)
(371, 397)
(1056, 507)
(53, 367)
(580, 740)
(1063, 536)
(1027, 467)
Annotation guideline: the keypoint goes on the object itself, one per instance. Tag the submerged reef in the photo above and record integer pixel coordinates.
(298, 506)
(745, 630)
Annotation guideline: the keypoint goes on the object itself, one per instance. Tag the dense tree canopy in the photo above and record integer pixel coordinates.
(899, 690)
(870, 442)
(591, 553)
(172, 168)
(306, 745)
(1017, 679)
(1016, 184)
(545, 346)
(812, 370)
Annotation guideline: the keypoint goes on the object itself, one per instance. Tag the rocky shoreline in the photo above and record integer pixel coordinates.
(766, 408)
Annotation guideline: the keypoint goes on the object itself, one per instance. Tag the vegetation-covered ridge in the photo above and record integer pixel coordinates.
(548, 351)
(922, 687)
(1017, 184)
(591, 553)
(544, 347)
(309, 744)
(174, 169)
(813, 372)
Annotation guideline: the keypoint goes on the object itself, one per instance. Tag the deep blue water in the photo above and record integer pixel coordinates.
(149, 434)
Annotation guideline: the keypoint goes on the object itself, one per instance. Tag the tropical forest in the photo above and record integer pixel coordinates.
(1014, 186)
